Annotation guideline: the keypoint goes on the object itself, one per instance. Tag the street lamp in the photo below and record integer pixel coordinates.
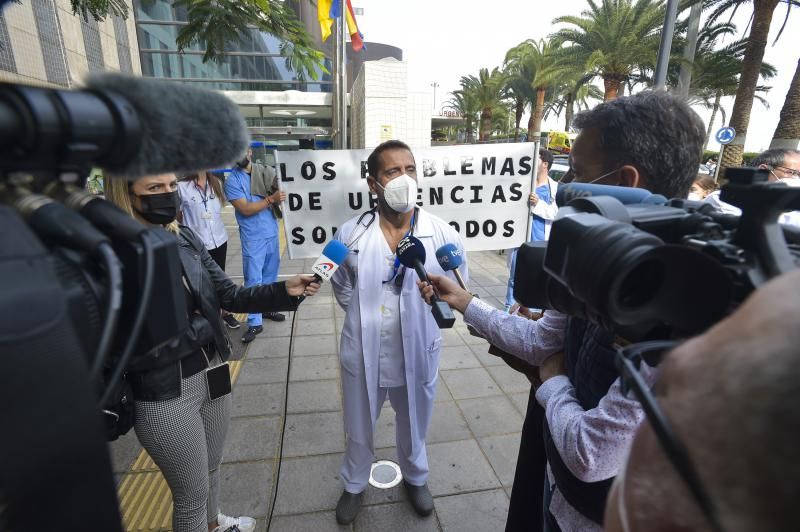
(434, 85)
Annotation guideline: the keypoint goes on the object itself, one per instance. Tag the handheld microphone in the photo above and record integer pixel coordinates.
(411, 253)
(626, 195)
(332, 257)
(450, 258)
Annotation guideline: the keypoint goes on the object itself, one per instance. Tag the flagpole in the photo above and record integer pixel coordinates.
(337, 66)
(342, 25)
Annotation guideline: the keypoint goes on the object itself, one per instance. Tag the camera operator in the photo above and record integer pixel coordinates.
(650, 140)
(182, 391)
(730, 396)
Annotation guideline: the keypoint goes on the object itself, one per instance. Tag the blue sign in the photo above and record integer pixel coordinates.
(725, 135)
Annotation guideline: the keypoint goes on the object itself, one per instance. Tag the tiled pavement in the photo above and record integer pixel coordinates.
(472, 442)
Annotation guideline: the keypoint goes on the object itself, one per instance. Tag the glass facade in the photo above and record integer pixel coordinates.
(253, 62)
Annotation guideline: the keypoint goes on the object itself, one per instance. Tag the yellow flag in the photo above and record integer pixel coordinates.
(324, 17)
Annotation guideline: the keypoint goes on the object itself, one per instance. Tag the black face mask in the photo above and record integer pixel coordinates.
(159, 209)
(244, 163)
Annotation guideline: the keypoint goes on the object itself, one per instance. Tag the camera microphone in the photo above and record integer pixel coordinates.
(411, 253)
(450, 258)
(626, 195)
(129, 126)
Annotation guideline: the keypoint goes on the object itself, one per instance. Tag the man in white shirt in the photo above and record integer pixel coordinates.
(390, 343)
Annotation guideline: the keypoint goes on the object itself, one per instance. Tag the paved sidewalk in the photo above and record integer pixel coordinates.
(472, 442)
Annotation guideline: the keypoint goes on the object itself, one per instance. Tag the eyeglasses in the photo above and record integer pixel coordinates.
(791, 171)
(629, 360)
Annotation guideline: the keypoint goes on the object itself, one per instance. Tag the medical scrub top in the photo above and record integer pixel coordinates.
(260, 226)
(537, 226)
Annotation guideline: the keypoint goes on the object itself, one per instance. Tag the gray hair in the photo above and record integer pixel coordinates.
(773, 157)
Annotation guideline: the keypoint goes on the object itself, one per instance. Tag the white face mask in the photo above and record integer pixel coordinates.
(400, 193)
(694, 196)
(791, 181)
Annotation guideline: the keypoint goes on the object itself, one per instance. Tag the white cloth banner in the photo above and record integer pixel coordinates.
(481, 190)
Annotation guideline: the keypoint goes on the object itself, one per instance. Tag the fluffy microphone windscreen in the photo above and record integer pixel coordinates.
(409, 250)
(184, 128)
(449, 257)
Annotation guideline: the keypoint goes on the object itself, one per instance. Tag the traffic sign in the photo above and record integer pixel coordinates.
(725, 135)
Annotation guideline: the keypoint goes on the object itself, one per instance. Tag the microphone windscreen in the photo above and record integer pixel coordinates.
(184, 128)
(332, 256)
(626, 195)
(449, 257)
(409, 250)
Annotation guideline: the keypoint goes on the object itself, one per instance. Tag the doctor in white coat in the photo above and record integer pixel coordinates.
(390, 342)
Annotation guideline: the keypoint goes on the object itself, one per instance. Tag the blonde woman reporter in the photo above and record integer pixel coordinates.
(182, 410)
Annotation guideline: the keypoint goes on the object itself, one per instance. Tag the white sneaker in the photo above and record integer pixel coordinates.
(234, 524)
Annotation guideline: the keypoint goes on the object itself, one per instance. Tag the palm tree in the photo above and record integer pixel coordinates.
(463, 101)
(488, 89)
(575, 90)
(787, 134)
(535, 63)
(215, 24)
(612, 39)
(751, 66)
(715, 73)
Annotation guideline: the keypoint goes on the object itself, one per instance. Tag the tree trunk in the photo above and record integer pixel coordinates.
(538, 112)
(518, 110)
(569, 111)
(530, 127)
(787, 134)
(751, 66)
(611, 86)
(486, 124)
(714, 110)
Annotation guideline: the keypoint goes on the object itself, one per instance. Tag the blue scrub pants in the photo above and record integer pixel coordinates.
(261, 260)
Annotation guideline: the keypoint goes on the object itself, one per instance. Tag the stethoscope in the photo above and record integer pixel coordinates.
(372, 213)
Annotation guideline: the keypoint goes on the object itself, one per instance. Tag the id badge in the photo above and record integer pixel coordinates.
(205, 215)
(218, 381)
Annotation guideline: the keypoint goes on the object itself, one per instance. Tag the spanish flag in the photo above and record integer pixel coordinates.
(356, 37)
(327, 10)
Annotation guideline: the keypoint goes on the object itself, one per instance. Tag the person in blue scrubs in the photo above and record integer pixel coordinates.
(258, 232)
(543, 202)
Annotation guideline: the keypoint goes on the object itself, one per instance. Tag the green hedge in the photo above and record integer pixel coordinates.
(747, 156)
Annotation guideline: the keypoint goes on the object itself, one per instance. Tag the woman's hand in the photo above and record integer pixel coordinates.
(302, 285)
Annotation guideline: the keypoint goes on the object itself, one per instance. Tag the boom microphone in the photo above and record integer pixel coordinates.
(129, 126)
(332, 257)
(449, 257)
(411, 253)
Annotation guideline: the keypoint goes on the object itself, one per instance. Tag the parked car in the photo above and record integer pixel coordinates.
(557, 171)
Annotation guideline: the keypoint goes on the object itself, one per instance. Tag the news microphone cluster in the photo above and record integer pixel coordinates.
(411, 253)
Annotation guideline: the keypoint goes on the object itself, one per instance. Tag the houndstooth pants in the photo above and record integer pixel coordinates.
(185, 437)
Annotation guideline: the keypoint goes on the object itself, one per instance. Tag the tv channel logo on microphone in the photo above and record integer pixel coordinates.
(324, 267)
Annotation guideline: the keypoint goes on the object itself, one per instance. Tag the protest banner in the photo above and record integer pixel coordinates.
(481, 190)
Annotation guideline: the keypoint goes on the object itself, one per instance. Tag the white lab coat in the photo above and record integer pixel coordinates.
(358, 288)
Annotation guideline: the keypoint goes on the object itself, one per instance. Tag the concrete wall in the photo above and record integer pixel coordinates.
(43, 43)
(381, 107)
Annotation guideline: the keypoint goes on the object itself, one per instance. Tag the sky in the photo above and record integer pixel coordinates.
(443, 40)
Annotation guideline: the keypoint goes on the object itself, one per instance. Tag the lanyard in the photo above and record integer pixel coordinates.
(396, 258)
(204, 197)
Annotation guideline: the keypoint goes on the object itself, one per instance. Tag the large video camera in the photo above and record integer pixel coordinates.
(85, 287)
(659, 269)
